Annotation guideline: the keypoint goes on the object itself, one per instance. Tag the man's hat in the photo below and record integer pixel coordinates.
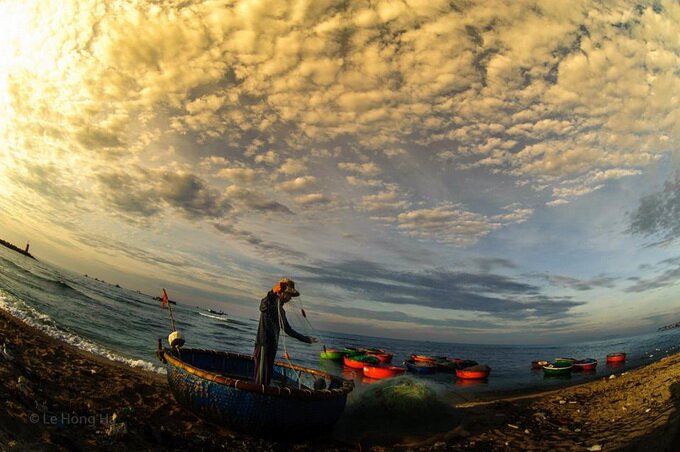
(287, 286)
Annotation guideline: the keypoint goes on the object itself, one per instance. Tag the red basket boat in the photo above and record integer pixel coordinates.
(478, 372)
(383, 371)
(383, 357)
(616, 357)
(426, 359)
(359, 361)
(585, 364)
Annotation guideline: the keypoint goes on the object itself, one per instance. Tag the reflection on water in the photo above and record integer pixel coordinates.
(330, 367)
(352, 374)
(566, 376)
(467, 383)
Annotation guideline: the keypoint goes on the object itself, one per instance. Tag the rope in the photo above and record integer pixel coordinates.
(322, 341)
(285, 348)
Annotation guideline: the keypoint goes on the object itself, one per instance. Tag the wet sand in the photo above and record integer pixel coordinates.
(56, 397)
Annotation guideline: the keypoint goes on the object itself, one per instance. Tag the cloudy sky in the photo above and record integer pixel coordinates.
(491, 171)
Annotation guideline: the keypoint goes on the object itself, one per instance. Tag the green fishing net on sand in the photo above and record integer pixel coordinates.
(395, 410)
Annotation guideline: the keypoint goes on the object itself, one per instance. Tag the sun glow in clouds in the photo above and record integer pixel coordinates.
(466, 148)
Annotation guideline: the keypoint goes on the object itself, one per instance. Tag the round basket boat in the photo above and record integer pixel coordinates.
(380, 372)
(359, 361)
(384, 358)
(351, 351)
(445, 365)
(585, 364)
(420, 367)
(539, 364)
(332, 354)
(616, 357)
(218, 387)
(478, 372)
(557, 368)
(426, 359)
(564, 360)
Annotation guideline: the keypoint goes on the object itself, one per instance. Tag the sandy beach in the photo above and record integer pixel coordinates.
(56, 397)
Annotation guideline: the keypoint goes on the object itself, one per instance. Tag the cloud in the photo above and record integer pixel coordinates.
(365, 169)
(191, 195)
(516, 213)
(242, 175)
(93, 137)
(386, 200)
(297, 184)
(270, 157)
(658, 214)
(312, 198)
(582, 284)
(49, 180)
(129, 194)
(668, 278)
(498, 295)
(572, 104)
(665, 274)
(486, 264)
(361, 182)
(112, 247)
(397, 316)
(441, 121)
(292, 166)
(265, 248)
(588, 183)
(452, 225)
(254, 201)
(145, 193)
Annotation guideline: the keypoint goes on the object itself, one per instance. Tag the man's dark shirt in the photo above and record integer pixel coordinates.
(269, 328)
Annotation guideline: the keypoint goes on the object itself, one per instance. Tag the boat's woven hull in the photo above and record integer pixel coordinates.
(239, 405)
(425, 368)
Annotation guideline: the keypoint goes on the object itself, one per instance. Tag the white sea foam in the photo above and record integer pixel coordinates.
(20, 310)
(216, 317)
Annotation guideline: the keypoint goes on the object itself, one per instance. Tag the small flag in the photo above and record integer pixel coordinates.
(164, 300)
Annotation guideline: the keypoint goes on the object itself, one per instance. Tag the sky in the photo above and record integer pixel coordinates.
(460, 171)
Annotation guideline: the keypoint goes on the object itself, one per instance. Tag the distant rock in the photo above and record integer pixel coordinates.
(669, 327)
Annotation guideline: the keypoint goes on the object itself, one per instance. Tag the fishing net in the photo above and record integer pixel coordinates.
(404, 398)
(394, 410)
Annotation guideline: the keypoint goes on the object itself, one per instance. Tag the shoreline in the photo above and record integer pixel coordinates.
(58, 397)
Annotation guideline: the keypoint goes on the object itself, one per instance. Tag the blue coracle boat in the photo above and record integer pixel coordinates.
(420, 367)
(218, 387)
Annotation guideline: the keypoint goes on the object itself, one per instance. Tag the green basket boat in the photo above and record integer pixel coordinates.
(332, 354)
(351, 351)
(564, 361)
(559, 368)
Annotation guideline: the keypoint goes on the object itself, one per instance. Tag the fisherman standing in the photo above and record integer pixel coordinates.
(272, 319)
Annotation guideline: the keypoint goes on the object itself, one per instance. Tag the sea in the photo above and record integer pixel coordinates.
(124, 325)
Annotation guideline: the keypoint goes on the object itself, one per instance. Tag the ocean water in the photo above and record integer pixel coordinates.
(124, 325)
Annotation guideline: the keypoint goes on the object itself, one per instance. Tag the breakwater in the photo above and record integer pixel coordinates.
(16, 248)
